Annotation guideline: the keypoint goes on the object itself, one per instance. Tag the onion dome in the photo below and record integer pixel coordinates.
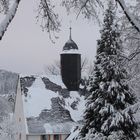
(70, 44)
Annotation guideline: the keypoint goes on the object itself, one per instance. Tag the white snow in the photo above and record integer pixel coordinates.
(132, 17)
(72, 51)
(9, 16)
(8, 129)
(78, 113)
(113, 84)
(102, 85)
(74, 133)
(70, 41)
(58, 128)
(56, 79)
(38, 98)
(135, 110)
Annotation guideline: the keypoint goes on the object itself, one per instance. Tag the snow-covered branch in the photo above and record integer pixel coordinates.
(48, 18)
(7, 129)
(129, 16)
(8, 18)
(131, 56)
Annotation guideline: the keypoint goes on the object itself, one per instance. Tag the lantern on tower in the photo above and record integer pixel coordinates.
(71, 65)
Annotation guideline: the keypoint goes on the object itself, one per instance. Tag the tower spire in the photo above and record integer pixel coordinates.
(70, 30)
(70, 33)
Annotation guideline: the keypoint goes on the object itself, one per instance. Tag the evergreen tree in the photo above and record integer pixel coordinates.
(106, 116)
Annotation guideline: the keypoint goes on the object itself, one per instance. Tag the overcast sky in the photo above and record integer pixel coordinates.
(26, 49)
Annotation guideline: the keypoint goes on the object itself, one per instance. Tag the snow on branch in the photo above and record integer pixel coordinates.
(89, 8)
(83, 6)
(8, 128)
(129, 16)
(4, 6)
(8, 18)
(48, 18)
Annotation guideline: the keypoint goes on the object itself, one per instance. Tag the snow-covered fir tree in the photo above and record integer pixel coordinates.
(106, 116)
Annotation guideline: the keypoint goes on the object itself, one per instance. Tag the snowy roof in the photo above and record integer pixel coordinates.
(8, 90)
(39, 127)
(71, 51)
(49, 107)
(70, 45)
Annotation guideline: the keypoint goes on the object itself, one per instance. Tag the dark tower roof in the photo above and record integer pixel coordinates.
(70, 44)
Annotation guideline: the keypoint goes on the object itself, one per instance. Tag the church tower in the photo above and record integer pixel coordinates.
(71, 65)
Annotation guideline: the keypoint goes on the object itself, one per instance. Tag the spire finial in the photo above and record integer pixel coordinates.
(70, 31)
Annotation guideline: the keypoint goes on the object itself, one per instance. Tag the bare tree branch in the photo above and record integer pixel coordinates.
(84, 64)
(48, 18)
(130, 17)
(53, 69)
(83, 6)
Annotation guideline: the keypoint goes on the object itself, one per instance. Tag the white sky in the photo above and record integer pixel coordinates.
(26, 49)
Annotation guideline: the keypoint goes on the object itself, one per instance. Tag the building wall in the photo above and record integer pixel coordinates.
(64, 137)
(34, 137)
(50, 137)
(19, 116)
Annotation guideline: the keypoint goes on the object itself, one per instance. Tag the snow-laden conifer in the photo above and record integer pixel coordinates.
(106, 117)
